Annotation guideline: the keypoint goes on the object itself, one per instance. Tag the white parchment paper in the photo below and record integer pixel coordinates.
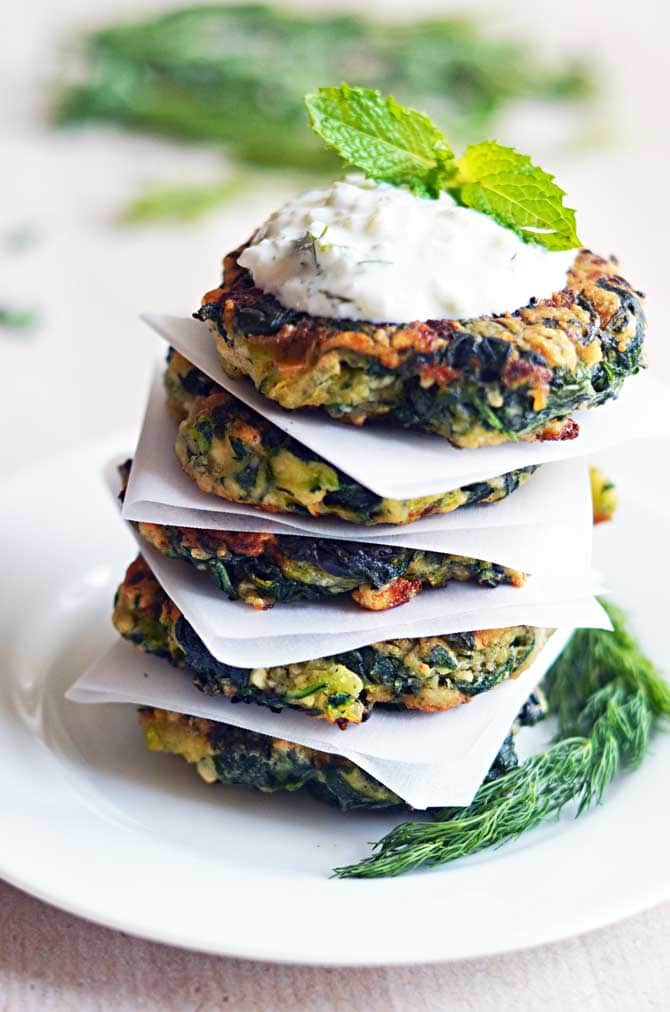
(237, 634)
(425, 464)
(298, 633)
(427, 759)
(541, 528)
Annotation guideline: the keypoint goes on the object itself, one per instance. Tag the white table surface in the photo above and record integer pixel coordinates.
(54, 962)
(85, 373)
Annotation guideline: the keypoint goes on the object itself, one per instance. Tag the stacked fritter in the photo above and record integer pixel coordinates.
(476, 383)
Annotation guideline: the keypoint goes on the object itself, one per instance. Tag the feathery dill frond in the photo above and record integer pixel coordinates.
(607, 696)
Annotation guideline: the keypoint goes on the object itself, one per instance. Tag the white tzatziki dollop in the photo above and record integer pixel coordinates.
(362, 250)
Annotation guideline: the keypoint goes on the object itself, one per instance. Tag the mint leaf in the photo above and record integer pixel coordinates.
(389, 142)
(506, 185)
(397, 145)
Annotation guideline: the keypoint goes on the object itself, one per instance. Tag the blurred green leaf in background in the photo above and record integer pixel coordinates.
(236, 75)
(183, 203)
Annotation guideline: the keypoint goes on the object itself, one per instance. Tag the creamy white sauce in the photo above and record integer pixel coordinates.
(369, 251)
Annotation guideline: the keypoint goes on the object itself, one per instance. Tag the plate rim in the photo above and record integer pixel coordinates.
(612, 908)
(594, 923)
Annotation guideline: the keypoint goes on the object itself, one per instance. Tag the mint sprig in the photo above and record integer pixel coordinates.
(388, 141)
(394, 144)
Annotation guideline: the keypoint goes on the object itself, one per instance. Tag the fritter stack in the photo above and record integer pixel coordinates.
(475, 383)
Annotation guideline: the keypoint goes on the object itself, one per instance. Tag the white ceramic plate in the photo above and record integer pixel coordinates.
(96, 825)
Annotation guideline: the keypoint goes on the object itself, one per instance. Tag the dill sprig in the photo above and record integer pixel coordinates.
(235, 74)
(607, 697)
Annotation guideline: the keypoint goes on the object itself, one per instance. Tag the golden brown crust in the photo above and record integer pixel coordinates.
(480, 381)
(558, 327)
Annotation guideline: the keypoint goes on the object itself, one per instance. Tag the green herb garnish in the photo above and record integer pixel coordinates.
(608, 698)
(383, 138)
(505, 184)
(394, 144)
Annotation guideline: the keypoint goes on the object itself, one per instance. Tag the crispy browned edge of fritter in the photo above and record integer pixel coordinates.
(302, 343)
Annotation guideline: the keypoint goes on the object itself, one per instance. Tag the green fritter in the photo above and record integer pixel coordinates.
(232, 451)
(265, 569)
(431, 673)
(476, 382)
(232, 755)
